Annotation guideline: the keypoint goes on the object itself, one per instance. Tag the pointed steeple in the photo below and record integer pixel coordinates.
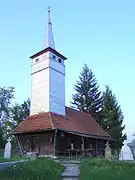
(49, 40)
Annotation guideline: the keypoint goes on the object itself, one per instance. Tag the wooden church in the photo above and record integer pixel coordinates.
(52, 128)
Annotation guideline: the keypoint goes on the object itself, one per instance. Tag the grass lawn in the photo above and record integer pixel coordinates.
(13, 158)
(100, 169)
(1, 153)
(40, 169)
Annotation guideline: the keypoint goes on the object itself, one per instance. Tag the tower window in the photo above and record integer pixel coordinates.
(37, 60)
(54, 57)
(59, 60)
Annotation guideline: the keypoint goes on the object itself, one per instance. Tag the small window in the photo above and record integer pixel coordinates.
(54, 57)
(59, 60)
(62, 134)
(37, 60)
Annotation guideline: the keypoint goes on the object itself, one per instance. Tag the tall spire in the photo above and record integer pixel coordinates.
(49, 40)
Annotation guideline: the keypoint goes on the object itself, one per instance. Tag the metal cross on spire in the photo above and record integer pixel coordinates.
(49, 7)
(49, 40)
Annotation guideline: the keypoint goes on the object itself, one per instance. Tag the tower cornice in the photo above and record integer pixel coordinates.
(46, 50)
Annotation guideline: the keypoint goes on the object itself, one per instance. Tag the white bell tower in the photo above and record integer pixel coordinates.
(48, 77)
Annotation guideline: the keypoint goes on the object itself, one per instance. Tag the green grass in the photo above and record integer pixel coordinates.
(100, 169)
(13, 158)
(40, 169)
(1, 152)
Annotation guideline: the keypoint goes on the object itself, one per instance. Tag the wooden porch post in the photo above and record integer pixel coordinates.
(83, 145)
(96, 148)
(55, 138)
(38, 144)
(19, 144)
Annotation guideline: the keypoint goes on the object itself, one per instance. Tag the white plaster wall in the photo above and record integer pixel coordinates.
(57, 66)
(57, 88)
(56, 59)
(40, 92)
(40, 84)
(48, 85)
(43, 62)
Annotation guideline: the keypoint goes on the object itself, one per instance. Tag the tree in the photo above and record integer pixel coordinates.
(112, 117)
(87, 97)
(1, 138)
(20, 112)
(10, 115)
(6, 96)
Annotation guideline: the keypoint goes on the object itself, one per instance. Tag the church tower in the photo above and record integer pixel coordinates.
(48, 77)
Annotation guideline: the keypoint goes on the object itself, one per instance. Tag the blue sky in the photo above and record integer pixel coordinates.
(98, 33)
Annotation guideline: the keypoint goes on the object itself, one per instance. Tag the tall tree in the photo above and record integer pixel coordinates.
(112, 117)
(6, 96)
(20, 112)
(1, 138)
(87, 97)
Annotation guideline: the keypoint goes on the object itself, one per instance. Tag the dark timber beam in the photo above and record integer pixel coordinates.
(19, 145)
(55, 138)
(83, 146)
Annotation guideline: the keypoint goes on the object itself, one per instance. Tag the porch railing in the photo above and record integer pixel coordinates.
(81, 153)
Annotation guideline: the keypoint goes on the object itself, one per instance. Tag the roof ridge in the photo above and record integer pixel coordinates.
(78, 111)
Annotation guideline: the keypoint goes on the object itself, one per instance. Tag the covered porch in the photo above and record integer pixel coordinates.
(74, 144)
(61, 143)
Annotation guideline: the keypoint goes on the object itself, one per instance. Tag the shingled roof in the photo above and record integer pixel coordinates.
(74, 122)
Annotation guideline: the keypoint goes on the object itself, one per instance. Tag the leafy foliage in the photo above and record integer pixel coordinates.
(87, 97)
(20, 112)
(6, 96)
(10, 115)
(112, 117)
